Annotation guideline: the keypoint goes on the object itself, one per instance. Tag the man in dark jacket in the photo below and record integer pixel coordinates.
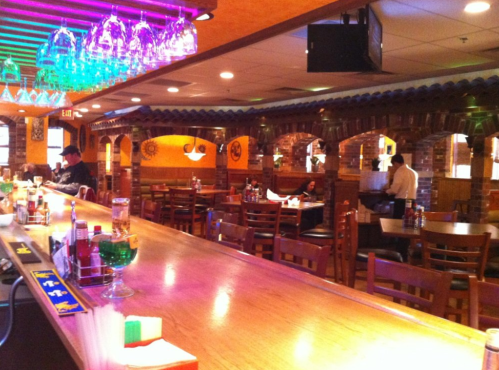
(76, 175)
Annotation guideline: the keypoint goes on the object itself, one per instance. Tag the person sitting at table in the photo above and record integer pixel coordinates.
(29, 172)
(58, 171)
(76, 175)
(308, 189)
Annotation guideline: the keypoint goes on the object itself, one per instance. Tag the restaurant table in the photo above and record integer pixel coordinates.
(393, 227)
(236, 311)
(198, 192)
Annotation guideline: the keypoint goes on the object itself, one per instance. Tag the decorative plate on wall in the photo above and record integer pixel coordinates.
(37, 131)
(150, 148)
(236, 150)
(83, 138)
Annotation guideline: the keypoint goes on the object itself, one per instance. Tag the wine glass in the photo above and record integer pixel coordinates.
(117, 254)
(38, 180)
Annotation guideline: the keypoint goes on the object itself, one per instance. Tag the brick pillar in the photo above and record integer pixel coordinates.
(18, 156)
(101, 164)
(370, 151)
(332, 167)
(221, 173)
(268, 173)
(135, 200)
(441, 164)
(423, 164)
(116, 168)
(481, 172)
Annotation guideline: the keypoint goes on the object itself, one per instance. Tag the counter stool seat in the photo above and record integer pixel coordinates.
(318, 233)
(386, 254)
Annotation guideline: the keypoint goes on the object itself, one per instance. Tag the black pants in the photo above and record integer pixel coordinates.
(402, 244)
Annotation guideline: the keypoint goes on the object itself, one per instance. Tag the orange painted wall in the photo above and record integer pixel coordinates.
(36, 151)
(126, 152)
(242, 163)
(170, 153)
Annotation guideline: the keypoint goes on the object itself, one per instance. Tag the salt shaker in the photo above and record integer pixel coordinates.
(491, 354)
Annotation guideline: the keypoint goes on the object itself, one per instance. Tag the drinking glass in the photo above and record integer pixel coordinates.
(6, 188)
(38, 180)
(117, 253)
(6, 174)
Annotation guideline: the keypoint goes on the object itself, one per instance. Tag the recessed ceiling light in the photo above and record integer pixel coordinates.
(21, 111)
(84, 110)
(226, 75)
(96, 106)
(477, 7)
(136, 100)
(173, 89)
(77, 114)
(205, 17)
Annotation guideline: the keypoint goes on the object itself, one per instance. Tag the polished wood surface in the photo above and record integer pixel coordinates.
(235, 311)
(198, 192)
(303, 206)
(393, 227)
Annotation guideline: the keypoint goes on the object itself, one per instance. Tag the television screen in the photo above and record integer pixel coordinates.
(345, 47)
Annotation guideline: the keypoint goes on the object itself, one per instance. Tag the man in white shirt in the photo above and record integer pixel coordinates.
(404, 187)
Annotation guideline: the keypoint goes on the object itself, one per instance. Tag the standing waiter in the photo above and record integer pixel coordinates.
(404, 187)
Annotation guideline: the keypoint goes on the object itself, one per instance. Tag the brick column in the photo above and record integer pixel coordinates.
(116, 168)
(423, 164)
(135, 200)
(18, 156)
(221, 173)
(481, 173)
(268, 173)
(332, 167)
(101, 164)
(441, 165)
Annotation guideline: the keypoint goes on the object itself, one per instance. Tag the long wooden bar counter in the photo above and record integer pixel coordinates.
(235, 311)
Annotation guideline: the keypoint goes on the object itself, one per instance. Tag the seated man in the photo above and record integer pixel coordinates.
(58, 171)
(76, 175)
(29, 172)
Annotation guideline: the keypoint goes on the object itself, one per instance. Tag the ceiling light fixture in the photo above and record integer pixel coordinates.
(172, 89)
(96, 106)
(193, 155)
(205, 17)
(21, 111)
(135, 100)
(477, 7)
(84, 110)
(227, 75)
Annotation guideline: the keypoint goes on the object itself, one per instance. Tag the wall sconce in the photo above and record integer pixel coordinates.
(193, 155)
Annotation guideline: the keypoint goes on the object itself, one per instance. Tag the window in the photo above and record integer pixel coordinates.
(495, 158)
(56, 144)
(108, 158)
(4, 144)
(461, 157)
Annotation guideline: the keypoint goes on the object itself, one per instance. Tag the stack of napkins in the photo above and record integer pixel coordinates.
(273, 197)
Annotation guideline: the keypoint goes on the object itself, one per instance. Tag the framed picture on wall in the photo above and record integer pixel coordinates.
(37, 130)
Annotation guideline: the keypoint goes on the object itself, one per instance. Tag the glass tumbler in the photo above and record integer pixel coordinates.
(120, 217)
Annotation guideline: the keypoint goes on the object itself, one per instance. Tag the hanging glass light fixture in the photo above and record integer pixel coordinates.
(193, 155)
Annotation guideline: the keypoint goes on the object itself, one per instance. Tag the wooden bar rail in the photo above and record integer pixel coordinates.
(235, 311)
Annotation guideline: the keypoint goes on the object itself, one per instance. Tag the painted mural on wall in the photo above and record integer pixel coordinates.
(37, 133)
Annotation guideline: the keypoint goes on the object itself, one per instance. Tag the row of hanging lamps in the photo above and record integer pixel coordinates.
(10, 73)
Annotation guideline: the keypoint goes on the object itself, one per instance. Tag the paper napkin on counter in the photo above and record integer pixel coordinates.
(158, 353)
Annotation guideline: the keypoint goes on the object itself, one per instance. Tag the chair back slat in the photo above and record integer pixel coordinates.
(213, 216)
(483, 304)
(301, 256)
(234, 236)
(459, 254)
(441, 216)
(434, 286)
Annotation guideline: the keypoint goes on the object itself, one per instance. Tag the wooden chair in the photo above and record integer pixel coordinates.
(334, 238)
(108, 199)
(483, 304)
(213, 216)
(234, 236)
(206, 200)
(290, 225)
(307, 257)
(415, 253)
(150, 210)
(233, 198)
(157, 195)
(358, 255)
(100, 197)
(264, 218)
(232, 190)
(435, 285)
(462, 255)
(183, 212)
(90, 195)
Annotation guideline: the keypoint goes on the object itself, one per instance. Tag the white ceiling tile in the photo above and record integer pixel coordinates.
(285, 44)
(404, 20)
(474, 42)
(402, 66)
(393, 42)
(259, 56)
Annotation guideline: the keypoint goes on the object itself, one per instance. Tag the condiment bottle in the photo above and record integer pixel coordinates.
(491, 354)
(46, 211)
(95, 260)
(39, 210)
(31, 206)
(83, 252)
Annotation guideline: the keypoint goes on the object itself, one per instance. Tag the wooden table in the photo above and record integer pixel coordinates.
(302, 206)
(236, 311)
(199, 192)
(393, 227)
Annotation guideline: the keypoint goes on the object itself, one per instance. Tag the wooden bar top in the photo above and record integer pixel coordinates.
(235, 311)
